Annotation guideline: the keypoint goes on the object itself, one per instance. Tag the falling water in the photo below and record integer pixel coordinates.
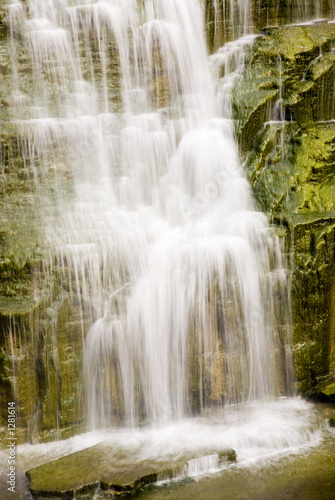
(152, 218)
(229, 19)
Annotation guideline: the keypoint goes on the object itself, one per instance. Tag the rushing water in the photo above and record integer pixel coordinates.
(261, 435)
(152, 220)
(160, 237)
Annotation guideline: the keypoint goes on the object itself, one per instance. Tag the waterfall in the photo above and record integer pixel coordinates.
(228, 19)
(151, 217)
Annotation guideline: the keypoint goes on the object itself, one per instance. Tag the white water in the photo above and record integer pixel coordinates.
(258, 434)
(159, 237)
(235, 15)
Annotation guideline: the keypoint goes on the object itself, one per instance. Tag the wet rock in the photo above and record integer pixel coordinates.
(44, 352)
(324, 392)
(291, 168)
(294, 184)
(224, 20)
(100, 466)
(294, 64)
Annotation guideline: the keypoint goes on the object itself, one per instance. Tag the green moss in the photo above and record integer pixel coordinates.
(312, 236)
(329, 390)
(3, 25)
(299, 44)
(101, 465)
(286, 63)
(291, 168)
(21, 306)
(297, 176)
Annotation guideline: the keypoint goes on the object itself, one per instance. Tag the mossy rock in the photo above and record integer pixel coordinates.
(294, 64)
(3, 22)
(41, 367)
(291, 167)
(102, 466)
(324, 391)
(292, 170)
(221, 16)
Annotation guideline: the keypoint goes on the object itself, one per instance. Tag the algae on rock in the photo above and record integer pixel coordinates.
(290, 161)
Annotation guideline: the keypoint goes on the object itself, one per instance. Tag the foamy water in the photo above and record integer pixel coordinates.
(258, 434)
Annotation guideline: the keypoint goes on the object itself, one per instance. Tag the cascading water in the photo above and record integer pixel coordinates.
(168, 255)
(151, 218)
(229, 19)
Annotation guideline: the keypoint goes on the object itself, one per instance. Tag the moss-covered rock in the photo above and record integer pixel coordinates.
(324, 391)
(289, 76)
(295, 185)
(41, 366)
(313, 240)
(3, 24)
(41, 328)
(292, 170)
(298, 175)
(102, 466)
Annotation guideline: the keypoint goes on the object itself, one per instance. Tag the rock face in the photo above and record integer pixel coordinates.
(280, 12)
(41, 325)
(228, 19)
(284, 106)
(40, 329)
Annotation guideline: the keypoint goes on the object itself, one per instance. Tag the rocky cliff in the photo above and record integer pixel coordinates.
(284, 107)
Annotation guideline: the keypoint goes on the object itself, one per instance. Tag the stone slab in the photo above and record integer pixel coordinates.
(101, 467)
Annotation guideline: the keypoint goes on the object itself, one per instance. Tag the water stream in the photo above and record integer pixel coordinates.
(154, 225)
